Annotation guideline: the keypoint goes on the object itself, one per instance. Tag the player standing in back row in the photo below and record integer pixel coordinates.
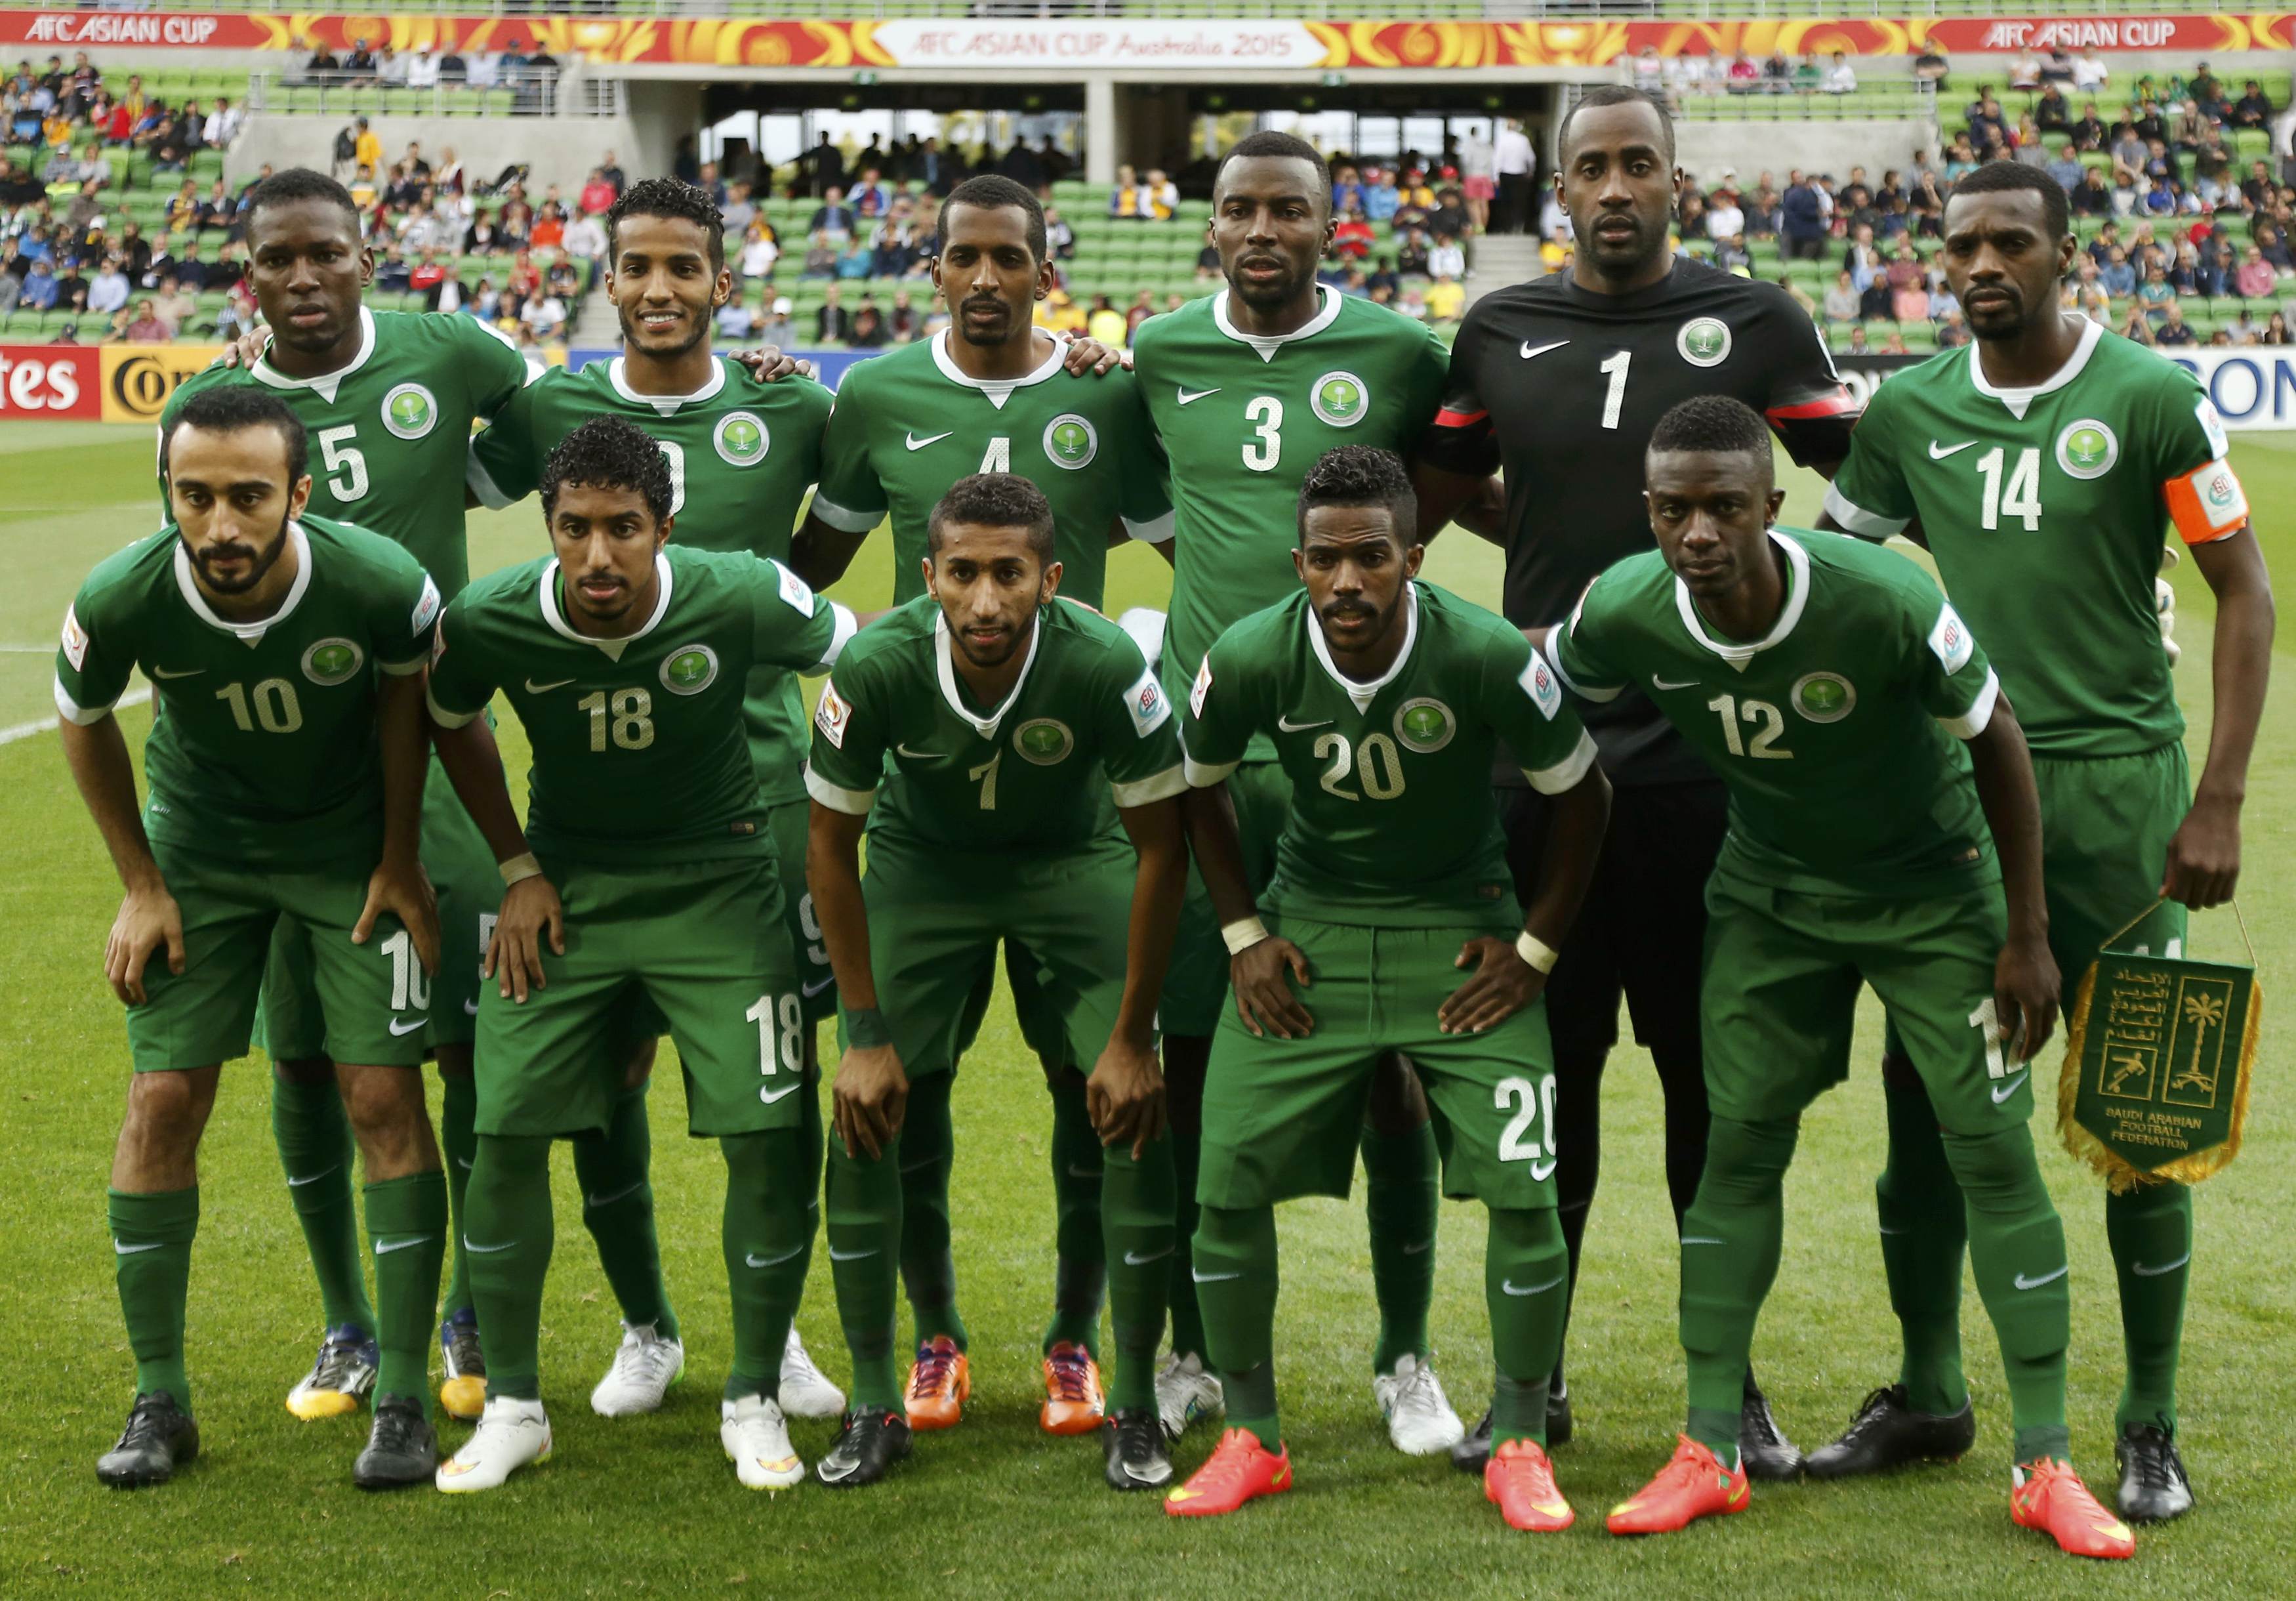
(2041, 463)
(1248, 389)
(1560, 382)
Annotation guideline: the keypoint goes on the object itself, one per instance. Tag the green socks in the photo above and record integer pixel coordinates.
(507, 1232)
(612, 1166)
(768, 1243)
(1730, 1239)
(1527, 1283)
(1923, 1228)
(313, 1136)
(863, 1214)
(1136, 1208)
(406, 1220)
(1400, 1197)
(927, 1270)
(458, 1144)
(1081, 1272)
(2017, 1248)
(2151, 1231)
(1235, 1277)
(1179, 1285)
(152, 1262)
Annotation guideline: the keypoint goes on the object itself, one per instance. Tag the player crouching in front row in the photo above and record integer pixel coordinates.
(1386, 697)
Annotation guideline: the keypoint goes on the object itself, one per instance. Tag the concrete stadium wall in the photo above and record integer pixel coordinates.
(1705, 149)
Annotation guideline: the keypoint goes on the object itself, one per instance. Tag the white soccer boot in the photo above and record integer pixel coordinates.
(644, 1366)
(511, 1433)
(755, 1436)
(1419, 1416)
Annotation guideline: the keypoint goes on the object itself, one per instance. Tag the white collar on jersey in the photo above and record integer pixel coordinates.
(1797, 597)
(998, 389)
(1363, 694)
(617, 374)
(326, 383)
(2018, 401)
(249, 634)
(1267, 344)
(984, 726)
(612, 647)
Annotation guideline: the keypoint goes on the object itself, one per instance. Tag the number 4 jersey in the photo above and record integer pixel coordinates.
(640, 754)
(2045, 509)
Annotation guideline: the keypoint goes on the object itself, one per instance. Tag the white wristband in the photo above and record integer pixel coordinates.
(1535, 952)
(519, 868)
(1242, 934)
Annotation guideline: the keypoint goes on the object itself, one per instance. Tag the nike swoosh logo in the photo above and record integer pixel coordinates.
(1212, 1279)
(294, 1183)
(756, 1261)
(462, 1163)
(1188, 399)
(916, 443)
(533, 688)
(385, 1247)
(486, 1250)
(2002, 1092)
(1896, 1231)
(817, 986)
(1937, 454)
(621, 1195)
(1699, 1239)
(1285, 725)
(187, 673)
(470, 1008)
(1420, 1249)
(912, 755)
(1657, 683)
(1132, 1259)
(1541, 1171)
(136, 1249)
(835, 1255)
(1509, 1286)
(2024, 1282)
(1530, 349)
(770, 1095)
(1077, 1172)
(409, 1028)
(2142, 1271)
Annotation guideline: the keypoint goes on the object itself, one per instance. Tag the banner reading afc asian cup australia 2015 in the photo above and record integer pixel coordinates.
(2253, 385)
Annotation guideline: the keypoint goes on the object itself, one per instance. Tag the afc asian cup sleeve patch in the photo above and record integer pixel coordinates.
(795, 591)
(2213, 425)
(1537, 681)
(75, 640)
(1201, 688)
(1951, 640)
(1146, 704)
(832, 716)
(426, 606)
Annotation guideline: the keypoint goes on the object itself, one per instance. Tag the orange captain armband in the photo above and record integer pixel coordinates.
(2206, 504)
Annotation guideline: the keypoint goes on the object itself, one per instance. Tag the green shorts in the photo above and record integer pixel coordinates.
(1284, 1117)
(935, 919)
(816, 982)
(1780, 998)
(1196, 986)
(371, 999)
(469, 886)
(702, 943)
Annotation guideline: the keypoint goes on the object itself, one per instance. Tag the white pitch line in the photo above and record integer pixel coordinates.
(9, 736)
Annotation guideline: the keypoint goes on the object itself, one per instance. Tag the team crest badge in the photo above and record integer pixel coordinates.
(1044, 741)
(2087, 448)
(1704, 341)
(331, 661)
(1425, 726)
(740, 439)
(1070, 441)
(689, 669)
(1340, 399)
(410, 411)
(1824, 697)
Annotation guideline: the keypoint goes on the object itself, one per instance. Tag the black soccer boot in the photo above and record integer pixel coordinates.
(1887, 1433)
(865, 1449)
(2153, 1488)
(1763, 1449)
(1558, 1414)
(1471, 1453)
(1132, 1442)
(160, 1438)
(400, 1448)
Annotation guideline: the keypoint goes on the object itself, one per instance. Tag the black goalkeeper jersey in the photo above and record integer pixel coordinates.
(1560, 388)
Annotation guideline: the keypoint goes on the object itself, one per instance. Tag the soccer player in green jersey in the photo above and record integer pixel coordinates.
(1247, 389)
(645, 877)
(286, 765)
(1883, 830)
(1385, 699)
(388, 398)
(2041, 466)
(993, 393)
(1003, 713)
(741, 453)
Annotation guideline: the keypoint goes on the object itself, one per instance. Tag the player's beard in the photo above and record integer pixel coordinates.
(259, 561)
(697, 330)
(1003, 328)
(1275, 292)
(1014, 641)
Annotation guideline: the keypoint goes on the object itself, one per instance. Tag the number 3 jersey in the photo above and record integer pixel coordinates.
(1393, 821)
(262, 744)
(2046, 509)
(1838, 733)
(641, 756)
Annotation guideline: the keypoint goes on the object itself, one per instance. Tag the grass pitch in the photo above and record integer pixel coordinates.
(650, 1506)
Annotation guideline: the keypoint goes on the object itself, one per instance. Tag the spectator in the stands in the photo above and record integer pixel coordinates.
(1347, 189)
(422, 69)
(1353, 238)
(359, 66)
(2253, 108)
(2090, 196)
(1446, 299)
(867, 331)
(2256, 279)
(544, 315)
(2064, 166)
(1143, 308)
(1840, 78)
(1803, 228)
(1446, 258)
(776, 327)
(1743, 77)
(586, 243)
(2089, 72)
(453, 69)
(831, 321)
(1106, 323)
(484, 68)
(1451, 215)
(1380, 199)
(549, 230)
(1059, 237)
(323, 68)
(2116, 276)
(108, 291)
(2276, 331)
(1724, 217)
(832, 218)
(1842, 299)
(858, 259)
(147, 326)
(39, 290)
(2174, 330)
(737, 321)
(1930, 65)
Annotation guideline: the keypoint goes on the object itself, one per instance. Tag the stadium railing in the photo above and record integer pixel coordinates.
(1462, 11)
(1876, 98)
(290, 94)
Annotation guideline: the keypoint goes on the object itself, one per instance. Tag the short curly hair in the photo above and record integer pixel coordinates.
(295, 185)
(1711, 425)
(1362, 475)
(609, 453)
(676, 200)
(996, 500)
(232, 407)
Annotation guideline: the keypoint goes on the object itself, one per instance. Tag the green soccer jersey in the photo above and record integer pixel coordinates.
(1025, 776)
(910, 423)
(263, 743)
(388, 432)
(1836, 732)
(1393, 822)
(2046, 509)
(640, 752)
(742, 454)
(1242, 418)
